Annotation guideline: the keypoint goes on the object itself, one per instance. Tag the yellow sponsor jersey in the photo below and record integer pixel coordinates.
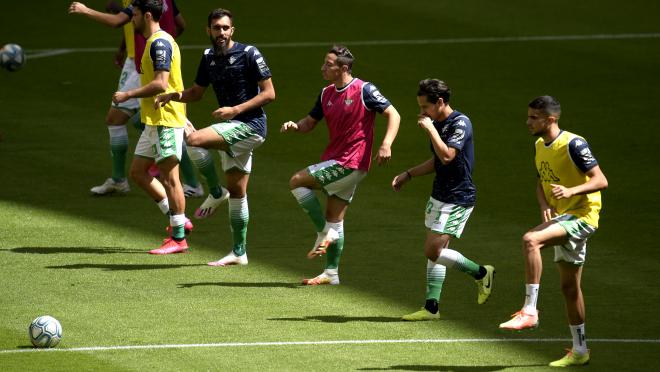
(555, 166)
(173, 114)
(129, 34)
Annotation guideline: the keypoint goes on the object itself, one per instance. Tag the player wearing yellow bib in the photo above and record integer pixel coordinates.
(162, 139)
(568, 192)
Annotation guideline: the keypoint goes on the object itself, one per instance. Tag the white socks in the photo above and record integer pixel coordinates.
(579, 339)
(531, 295)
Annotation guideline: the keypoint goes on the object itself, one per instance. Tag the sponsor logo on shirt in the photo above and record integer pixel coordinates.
(348, 102)
(232, 59)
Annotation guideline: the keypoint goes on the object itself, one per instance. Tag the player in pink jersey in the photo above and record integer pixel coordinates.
(349, 106)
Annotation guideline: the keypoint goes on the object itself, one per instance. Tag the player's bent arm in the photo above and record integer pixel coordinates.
(597, 181)
(416, 171)
(112, 20)
(192, 94)
(155, 87)
(393, 122)
(266, 95)
(445, 153)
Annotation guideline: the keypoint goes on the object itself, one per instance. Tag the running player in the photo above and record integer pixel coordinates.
(453, 196)
(568, 192)
(349, 106)
(242, 84)
(162, 139)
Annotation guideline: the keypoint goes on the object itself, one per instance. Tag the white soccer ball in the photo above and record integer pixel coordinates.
(12, 57)
(45, 331)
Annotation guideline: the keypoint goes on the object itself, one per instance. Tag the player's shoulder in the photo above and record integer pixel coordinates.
(459, 119)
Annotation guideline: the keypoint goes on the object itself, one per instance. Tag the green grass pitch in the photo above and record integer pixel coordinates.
(83, 259)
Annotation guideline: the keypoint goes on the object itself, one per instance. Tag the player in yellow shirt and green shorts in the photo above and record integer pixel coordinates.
(568, 192)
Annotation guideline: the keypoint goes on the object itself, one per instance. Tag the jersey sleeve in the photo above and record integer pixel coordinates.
(128, 11)
(258, 63)
(459, 131)
(317, 110)
(581, 154)
(373, 99)
(203, 78)
(161, 54)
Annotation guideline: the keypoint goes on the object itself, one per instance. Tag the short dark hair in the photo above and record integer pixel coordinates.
(219, 13)
(434, 89)
(344, 56)
(547, 104)
(155, 7)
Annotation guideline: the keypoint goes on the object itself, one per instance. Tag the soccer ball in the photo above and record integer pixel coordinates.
(12, 57)
(45, 331)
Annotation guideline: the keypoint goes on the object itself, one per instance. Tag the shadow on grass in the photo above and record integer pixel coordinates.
(242, 285)
(123, 267)
(84, 250)
(423, 367)
(342, 319)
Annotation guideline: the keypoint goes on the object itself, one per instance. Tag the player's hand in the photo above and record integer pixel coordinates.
(120, 97)
(561, 192)
(289, 126)
(162, 99)
(548, 214)
(188, 128)
(77, 8)
(400, 180)
(425, 122)
(384, 155)
(225, 113)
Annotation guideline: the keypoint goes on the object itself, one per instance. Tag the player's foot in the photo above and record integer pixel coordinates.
(154, 171)
(193, 192)
(322, 243)
(230, 259)
(485, 285)
(171, 246)
(211, 204)
(571, 359)
(422, 314)
(110, 186)
(521, 320)
(326, 277)
(187, 227)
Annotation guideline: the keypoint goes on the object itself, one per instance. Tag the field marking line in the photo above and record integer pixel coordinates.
(336, 342)
(42, 53)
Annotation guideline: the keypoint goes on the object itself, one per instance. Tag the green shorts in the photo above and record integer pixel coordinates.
(575, 249)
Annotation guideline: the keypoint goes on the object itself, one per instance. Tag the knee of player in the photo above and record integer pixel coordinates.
(295, 181)
(530, 242)
(570, 289)
(193, 139)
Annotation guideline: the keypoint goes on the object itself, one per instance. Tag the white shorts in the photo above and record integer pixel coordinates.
(336, 179)
(446, 218)
(158, 143)
(575, 250)
(242, 139)
(129, 79)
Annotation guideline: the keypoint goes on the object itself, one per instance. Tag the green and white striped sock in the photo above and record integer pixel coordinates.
(435, 278)
(454, 259)
(118, 150)
(310, 204)
(239, 215)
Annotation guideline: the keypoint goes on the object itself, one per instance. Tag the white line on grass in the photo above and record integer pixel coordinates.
(42, 53)
(337, 342)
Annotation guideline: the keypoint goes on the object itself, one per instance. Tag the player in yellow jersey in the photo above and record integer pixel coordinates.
(162, 139)
(568, 192)
(128, 59)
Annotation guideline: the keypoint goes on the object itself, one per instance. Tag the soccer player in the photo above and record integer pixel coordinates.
(568, 192)
(349, 106)
(242, 84)
(119, 115)
(162, 139)
(453, 196)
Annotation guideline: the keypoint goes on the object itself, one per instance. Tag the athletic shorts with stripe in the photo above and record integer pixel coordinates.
(158, 143)
(242, 139)
(446, 218)
(575, 249)
(129, 79)
(335, 179)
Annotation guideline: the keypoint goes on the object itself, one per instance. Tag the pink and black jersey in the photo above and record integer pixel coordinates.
(350, 114)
